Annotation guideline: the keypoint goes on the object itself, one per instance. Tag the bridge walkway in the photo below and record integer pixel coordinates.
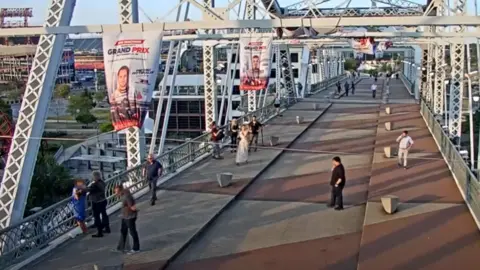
(275, 217)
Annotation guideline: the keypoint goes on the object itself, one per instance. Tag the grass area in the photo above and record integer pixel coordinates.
(101, 114)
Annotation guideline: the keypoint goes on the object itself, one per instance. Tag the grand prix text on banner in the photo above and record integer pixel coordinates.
(254, 63)
(131, 67)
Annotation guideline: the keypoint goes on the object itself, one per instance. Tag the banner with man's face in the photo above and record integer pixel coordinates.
(254, 63)
(131, 66)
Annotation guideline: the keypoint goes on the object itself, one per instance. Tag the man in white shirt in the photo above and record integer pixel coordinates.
(374, 89)
(405, 142)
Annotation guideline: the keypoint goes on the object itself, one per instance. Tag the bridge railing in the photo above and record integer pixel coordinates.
(56, 224)
(466, 180)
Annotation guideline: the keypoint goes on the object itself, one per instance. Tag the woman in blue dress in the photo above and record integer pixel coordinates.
(79, 201)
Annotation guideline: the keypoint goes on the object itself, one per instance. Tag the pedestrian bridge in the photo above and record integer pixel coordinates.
(275, 215)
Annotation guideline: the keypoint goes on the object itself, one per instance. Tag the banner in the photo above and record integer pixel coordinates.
(363, 45)
(383, 46)
(131, 67)
(254, 63)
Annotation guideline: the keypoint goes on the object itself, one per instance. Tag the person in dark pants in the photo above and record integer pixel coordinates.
(346, 88)
(129, 219)
(152, 172)
(353, 88)
(99, 204)
(339, 88)
(338, 183)
(233, 135)
(255, 127)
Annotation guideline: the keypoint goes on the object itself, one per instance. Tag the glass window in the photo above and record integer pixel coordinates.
(314, 68)
(194, 122)
(182, 106)
(274, 57)
(237, 74)
(183, 122)
(194, 107)
(295, 72)
(201, 90)
(273, 73)
(172, 122)
(294, 57)
(236, 90)
(233, 57)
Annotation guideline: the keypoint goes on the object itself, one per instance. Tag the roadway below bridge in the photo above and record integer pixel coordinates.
(275, 214)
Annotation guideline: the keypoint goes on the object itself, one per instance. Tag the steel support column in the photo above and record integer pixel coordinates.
(438, 107)
(457, 63)
(423, 88)
(31, 120)
(287, 73)
(135, 136)
(252, 95)
(429, 75)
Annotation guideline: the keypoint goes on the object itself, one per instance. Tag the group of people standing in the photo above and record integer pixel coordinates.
(243, 138)
(96, 193)
(346, 87)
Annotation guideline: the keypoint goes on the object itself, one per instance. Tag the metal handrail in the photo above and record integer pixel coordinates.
(27, 237)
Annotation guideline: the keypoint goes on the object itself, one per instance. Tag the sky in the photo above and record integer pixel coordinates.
(105, 11)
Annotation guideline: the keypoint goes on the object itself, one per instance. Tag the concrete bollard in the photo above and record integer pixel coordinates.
(388, 126)
(388, 110)
(224, 179)
(316, 106)
(390, 152)
(390, 203)
(299, 119)
(274, 140)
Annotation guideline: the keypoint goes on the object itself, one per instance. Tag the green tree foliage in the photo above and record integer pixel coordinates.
(350, 64)
(62, 91)
(5, 108)
(86, 118)
(80, 104)
(106, 127)
(100, 96)
(50, 183)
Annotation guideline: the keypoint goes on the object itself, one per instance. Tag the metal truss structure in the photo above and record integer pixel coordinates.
(31, 120)
(135, 136)
(329, 63)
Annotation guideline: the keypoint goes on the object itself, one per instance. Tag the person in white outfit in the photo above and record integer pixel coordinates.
(405, 142)
(374, 89)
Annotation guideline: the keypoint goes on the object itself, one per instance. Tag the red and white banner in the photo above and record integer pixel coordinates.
(131, 66)
(254, 63)
(363, 45)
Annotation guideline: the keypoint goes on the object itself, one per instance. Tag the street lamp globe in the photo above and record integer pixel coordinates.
(476, 98)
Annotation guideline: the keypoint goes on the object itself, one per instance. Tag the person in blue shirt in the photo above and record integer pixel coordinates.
(79, 201)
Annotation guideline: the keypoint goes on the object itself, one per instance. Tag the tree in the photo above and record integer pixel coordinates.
(5, 108)
(99, 96)
(62, 91)
(79, 104)
(106, 127)
(86, 118)
(350, 64)
(14, 94)
(50, 183)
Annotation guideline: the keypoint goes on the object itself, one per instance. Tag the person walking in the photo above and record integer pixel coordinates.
(255, 127)
(374, 89)
(338, 183)
(405, 142)
(216, 138)
(242, 150)
(129, 220)
(339, 88)
(233, 135)
(152, 171)
(353, 88)
(99, 204)
(346, 88)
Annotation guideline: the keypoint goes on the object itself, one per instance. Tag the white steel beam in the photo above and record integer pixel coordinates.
(438, 105)
(252, 95)
(135, 136)
(209, 75)
(31, 120)
(322, 23)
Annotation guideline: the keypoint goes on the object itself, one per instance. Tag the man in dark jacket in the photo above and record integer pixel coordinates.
(338, 183)
(99, 204)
